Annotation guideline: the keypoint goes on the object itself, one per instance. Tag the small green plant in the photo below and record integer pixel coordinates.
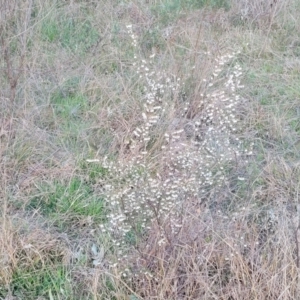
(74, 199)
(68, 115)
(170, 10)
(152, 40)
(50, 31)
(70, 33)
(68, 106)
(41, 280)
(93, 171)
(197, 4)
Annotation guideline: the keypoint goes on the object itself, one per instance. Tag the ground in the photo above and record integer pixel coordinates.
(149, 149)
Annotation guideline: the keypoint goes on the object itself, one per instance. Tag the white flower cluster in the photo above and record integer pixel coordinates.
(156, 187)
(219, 115)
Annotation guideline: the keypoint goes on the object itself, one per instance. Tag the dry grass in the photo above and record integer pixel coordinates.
(149, 150)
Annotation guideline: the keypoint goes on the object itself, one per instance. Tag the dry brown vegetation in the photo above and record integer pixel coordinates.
(149, 149)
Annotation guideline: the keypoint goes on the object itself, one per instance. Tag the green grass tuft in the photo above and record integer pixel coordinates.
(169, 10)
(76, 35)
(41, 280)
(65, 202)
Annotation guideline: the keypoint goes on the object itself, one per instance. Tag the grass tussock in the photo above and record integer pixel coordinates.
(149, 150)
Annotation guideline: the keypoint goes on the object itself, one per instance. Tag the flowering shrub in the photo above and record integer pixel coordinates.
(155, 185)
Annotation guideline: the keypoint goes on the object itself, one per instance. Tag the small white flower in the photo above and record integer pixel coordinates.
(92, 160)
